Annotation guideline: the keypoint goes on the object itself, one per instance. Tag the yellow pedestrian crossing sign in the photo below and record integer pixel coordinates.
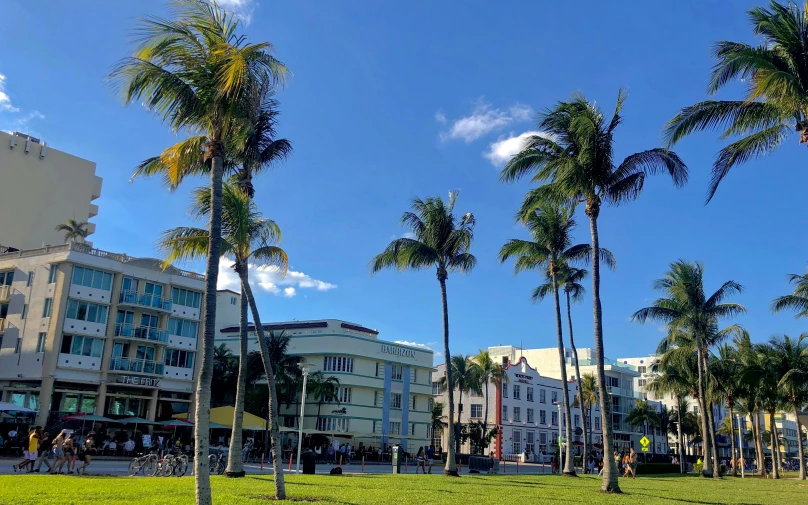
(644, 442)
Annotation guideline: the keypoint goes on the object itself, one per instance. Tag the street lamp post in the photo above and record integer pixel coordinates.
(740, 445)
(305, 368)
(560, 447)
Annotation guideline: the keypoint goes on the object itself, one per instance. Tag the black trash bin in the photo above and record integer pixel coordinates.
(308, 461)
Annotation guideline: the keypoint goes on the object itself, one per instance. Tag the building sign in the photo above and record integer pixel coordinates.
(343, 410)
(527, 379)
(138, 381)
(398, 351)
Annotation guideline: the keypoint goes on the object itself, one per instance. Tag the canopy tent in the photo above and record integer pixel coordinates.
(223, 416)
(10, 407)
(135, 421)
(88, 417)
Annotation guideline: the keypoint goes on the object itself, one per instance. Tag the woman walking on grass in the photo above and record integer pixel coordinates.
(88, 449)
(419, 461)
(59, 452)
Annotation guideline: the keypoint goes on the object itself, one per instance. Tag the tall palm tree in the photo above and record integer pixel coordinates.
(646, 416)
(750, 394)
(247, 238)
(225, 369)
(75, 231)
(575, 159)
(487, 371)
(463, 378)
(437, 420)
(776, 99)
(726, 372)
(677, 378)
(771, 397)
(791, 362)
(686, 309)
(198, 74)
(442, 241)
(587, 398)
(797, 300)
(551, 249)
(323, 389)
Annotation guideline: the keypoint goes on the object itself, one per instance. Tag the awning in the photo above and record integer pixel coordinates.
(10, 407)
(224, 417)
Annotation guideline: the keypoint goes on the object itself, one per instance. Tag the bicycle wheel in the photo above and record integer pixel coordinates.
(134, 467)
(222, 464)
(150, 466)
(213, 463)
(181, 466)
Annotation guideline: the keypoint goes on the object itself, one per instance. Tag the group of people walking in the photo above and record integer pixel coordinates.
(60, 451)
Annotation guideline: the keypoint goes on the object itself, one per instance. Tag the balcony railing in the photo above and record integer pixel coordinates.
(136, 365)
(144, 300)
(2, 325)
(125, 330)
(5, 293)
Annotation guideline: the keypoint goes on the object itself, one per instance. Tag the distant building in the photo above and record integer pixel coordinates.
(42, 188)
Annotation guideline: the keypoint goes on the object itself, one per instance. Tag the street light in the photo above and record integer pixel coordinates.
(740, 445)
(305, 368)
(560, 450)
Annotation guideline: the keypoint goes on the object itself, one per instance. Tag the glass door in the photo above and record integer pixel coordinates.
(129, 290)
(124, 323)
(154, 294)
(148, 323)
(145, 356)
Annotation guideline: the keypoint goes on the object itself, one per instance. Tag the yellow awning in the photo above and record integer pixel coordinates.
(224, 415)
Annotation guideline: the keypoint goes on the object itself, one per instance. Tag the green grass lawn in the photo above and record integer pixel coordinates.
(389, 489)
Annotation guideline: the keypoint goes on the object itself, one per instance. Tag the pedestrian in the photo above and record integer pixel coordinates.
(600, 467)
(342, 451)
(58, 452)
(379, 455)
(85, 454)
(44, 452)
(430, 457)
(70, 452)
(591, 464)
(618, 462)
(318, 454)
(633, 463)
(30, 454)
(245, 451)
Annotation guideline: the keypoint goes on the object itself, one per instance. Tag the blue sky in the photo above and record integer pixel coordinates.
(392, 100)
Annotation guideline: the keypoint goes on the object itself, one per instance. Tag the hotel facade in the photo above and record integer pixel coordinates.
(89, 331)
(385, 388)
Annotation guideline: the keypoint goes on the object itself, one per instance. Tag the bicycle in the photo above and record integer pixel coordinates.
(181, 463)
(217, 463)
(143, 463)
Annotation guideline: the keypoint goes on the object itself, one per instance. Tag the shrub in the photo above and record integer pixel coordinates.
(656, 468)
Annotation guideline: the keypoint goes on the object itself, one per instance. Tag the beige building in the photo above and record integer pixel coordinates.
(89, 331)
(57, 186)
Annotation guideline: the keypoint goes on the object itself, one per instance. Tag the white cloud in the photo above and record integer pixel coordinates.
(440, 117)
(409, 234)
(270, 280)
(243, 9)
(5, 101)
(428, 345)
(501, 151)
(11, 118)
(483, 120)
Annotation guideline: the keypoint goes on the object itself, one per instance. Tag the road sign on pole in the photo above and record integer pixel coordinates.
(644, 442)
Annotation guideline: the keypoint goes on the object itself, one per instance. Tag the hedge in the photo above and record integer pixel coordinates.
(656, 468)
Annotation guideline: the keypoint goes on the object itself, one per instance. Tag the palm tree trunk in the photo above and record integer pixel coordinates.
(775, 445)
(759, 444)
(578, 379)
(235, 462)
(799, 441)
(202, 409)
(266, 359)
(485, 417)
(609, 484)
(459, 412)
(569, 468)
(713, 443)
(707, 470)
(732, 439)
(319, 405)
(680, 437)
(451, 464)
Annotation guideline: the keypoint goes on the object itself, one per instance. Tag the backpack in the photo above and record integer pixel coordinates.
(336, 471)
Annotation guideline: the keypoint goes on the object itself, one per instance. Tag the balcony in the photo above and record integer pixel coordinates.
(136, 365)
(5, 293)
(2, 325)
(135, 299)
(136, 331)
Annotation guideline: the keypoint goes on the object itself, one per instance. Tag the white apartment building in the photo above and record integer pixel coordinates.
(525, 408)
(89, 331)
(385, 393)
(44, 187)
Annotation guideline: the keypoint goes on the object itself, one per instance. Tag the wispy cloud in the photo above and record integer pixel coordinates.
(428, 345)
(11, 117)
(483, 120)
(269, 279)
(243, 9)
(5, 101)
(501, 151)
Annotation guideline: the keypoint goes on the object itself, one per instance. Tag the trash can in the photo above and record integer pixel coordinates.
(307, 459)
(398, 455)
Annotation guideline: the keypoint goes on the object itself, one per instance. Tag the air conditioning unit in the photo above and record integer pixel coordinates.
(13, 142)
(42, 150)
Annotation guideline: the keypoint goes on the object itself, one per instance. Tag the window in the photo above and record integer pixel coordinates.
(530, 415)
(597, 423)
(232, 300)
(18, 346)
(641, 369)
(554, 419)
(3, 310)
(182, 327)
(435, 387)
(82, 346)
(6, 278)
(337, 364)
(54, 269)
(288, 421)
(555, 396)
(505, 413)
(397, 372)
(395, 428)
(412, 404)
(530, 442)
(430, 404)
(517, 392)
(504, 390)
(344, 395)
(613, 382)
(542, 396)
(30, 280)
(529, 394)
(476, 410)
(413, 376)
(87, 277)
(517, 414)
(517, 441)
(187, 298)
(47, 308)
(375, 398)
(178, 358)
(576, 419)
(395, 400)
(86, 311)
(543, 441)
(412, 429)
(40, 342)
(641, 382)
(337, 424)
(24, 311)
(542, 417)
(377, 369)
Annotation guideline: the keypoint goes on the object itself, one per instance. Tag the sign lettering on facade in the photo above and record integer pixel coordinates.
(398, 351)
(343, 410)
(526, 379)
(137, 380)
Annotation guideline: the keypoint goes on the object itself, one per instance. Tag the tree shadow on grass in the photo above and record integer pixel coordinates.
(683, 500)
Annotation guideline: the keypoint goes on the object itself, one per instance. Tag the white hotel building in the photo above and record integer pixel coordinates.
(385, 387)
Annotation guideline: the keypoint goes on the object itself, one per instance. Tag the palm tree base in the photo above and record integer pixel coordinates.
(612, 490)
(235, 475)
(450, 473)
(569, 474)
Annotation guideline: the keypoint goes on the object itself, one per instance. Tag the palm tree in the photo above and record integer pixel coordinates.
(791, 361)
(776, 100)
(587, 398)
(247, 237)
(225, 369)
(750, 395)
(441, 241)
(437, 422)
(644, 415)
(797, 300)
(550, 227)
(463, 378)
(75, 231)
(196, 73)
(575, 158)
(260, 148)
(676, 377)
(687, 310)
(726, 372)
(323, 389)
(771, 396)
(487, 371)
